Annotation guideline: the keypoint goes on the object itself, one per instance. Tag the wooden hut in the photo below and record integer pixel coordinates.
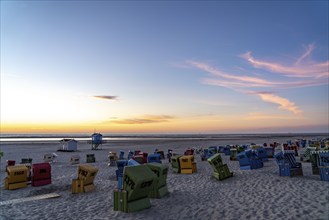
(68, 145)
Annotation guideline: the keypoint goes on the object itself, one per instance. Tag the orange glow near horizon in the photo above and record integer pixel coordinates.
(208, 124)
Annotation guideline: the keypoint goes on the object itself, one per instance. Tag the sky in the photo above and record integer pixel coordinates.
(164, 66)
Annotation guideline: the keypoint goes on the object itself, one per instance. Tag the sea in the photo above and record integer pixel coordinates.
(124, 137)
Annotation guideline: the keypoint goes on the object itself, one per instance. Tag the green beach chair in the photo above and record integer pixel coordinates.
(221, 171)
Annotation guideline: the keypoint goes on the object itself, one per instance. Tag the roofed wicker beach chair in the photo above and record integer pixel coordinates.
(221, 171)
(324, 165)
(137, 186)
(288, 166)
(305, 156)
(248, 160)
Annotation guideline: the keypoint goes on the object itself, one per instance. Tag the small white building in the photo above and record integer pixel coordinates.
(68, 145)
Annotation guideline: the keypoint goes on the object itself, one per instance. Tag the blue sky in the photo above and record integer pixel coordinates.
(164, 67)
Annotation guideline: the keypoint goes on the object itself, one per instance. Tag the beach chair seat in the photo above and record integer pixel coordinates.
(187, 164)
(137, 185)
(130, 155)
(41, 174)
(169, 155)
(26, 160)
(112, 158)
(262, 154)
(315, 161)
(120, 165)
(175, 163)
(207, 153)
(11, 162)
(121, 155)
(221, 171)
(227, 151)
(161, 153)
(324, 165)
(234, 153)
(248, 160)
(324, 173)
(189, 151)
(159, 188)
(288, 166)
(85, 180)
(75, 159)
(90, 158)
(154, 158)
(48, 158)
(269, 152)
(214, 149)
(17, 177)
(305, 156)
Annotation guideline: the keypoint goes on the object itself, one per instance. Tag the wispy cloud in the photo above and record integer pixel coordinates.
(301, 68)
(106, 97)
(146, 119)
(283, 103)
(303, 73)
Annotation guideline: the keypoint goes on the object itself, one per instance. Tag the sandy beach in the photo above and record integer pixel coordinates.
(249, 194)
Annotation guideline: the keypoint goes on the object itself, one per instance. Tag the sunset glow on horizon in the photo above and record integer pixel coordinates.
(164, 67)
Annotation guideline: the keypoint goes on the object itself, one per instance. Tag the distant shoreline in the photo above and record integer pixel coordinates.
(46, 138)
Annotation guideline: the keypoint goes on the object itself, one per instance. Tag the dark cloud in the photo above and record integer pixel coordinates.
(106, 97)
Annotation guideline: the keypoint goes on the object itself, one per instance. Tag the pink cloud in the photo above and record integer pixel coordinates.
(308, 73)
(301, 68)
(242, 80)
(283, 103)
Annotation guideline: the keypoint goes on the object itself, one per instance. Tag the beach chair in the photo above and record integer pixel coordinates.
(175, 164)
(112, 158)
(324, 165)
(234, 153)
(120, 165)
(137, 185)
(41, 174)
(48, 158)
(161, 153)
(159, 188)
(85, 180)
(154, 158)
(189, 151)
(130, 155)
(221, 170)
(141, 157)
(315, 161)
(16, 177)
(305, 156)
(75, 159)
(169, 155)
(287, 164)
(207, 153)
(248, 160)
(187, 164)
(262, 154)
(90, 158)
(269, 152)
(121, 155)
(11, 162)
(26, 160)
(132, 162)
(227, 150)
(213, 149)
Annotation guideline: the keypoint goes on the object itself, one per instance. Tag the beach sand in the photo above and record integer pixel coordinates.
(249, 194)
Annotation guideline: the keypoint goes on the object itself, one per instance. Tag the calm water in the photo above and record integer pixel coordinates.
(108, 137)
